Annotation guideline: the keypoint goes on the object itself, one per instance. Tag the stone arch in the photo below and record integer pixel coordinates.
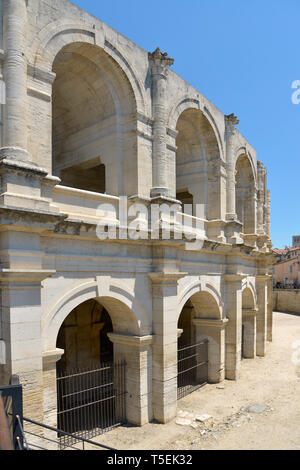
(127, 315)
(246, 192)
(201, 325)
(248, 345)
(188, 102)
(250, 294)
(93, 102)
(192, 292)
(243, 151)
(198, 159)
(60, 33)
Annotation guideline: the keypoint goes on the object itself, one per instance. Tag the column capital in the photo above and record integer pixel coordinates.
(160, 277)
(231, 121)
(211, 322)
(250, 312)
(160, 62)
(24, 276)
(128, 340)
(263, 277)
(50, 357)
(234, 277)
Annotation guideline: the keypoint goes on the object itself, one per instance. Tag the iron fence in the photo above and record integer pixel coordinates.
(91, 402)
(192, 368)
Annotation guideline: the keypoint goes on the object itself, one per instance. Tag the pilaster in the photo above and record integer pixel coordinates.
(214, 331)
(165, 344)
(233, 299)
(137, 353)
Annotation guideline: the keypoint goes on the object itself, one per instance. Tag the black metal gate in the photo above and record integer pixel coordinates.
(91, 402)
(192, 368)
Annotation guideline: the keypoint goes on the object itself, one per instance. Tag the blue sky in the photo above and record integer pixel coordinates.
(243, 56)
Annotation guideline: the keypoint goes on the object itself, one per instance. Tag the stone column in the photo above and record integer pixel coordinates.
(268, 213)
(233, 301)
(214, 331)
(249, 324)
(137, 353)
(261, 175)
(165, 345)
(159, 68)
(230, 122)
(15, 77)
(262, 300)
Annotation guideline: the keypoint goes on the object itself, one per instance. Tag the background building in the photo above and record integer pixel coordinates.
(296, 241)
(287, 268)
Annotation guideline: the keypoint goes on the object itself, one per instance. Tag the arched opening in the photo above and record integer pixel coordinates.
(83, 337)
(197, 160)
(90, 383)
(245, 192)
(198, 343)
(248, 349)
(91, 100)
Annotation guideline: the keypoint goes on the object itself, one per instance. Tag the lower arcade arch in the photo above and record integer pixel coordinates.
(248, 346)
(91, 375)
(199, 341)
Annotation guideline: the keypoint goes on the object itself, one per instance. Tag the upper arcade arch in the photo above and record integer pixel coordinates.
(246, 193)
(198, 162)
(93, 131)
(58, 34)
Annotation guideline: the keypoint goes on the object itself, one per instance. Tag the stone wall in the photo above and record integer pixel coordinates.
(286, 300)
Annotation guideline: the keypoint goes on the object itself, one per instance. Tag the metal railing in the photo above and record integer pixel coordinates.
(20, 433)
(192, 368)
(12, 411)
(92, 402)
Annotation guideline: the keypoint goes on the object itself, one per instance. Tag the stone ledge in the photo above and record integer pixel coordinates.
(211, 322)
(234, 277)
(249, 312)
(20, 275)
(134, 341)
(50, 357)
(161, 277)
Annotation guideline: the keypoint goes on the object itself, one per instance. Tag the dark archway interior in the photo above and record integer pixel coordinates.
(185, 324)
(83, 337)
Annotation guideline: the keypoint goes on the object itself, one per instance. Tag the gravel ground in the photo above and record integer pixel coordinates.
(259, 411)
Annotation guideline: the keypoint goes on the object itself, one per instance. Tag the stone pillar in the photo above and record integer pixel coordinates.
(21, 333)
(249, 324)
(159, 68)
(15, 77)
(262, 300)
(214, 331)
(50, 359)
(230, 122)
(233, 299)
(137, 353)
(270, 310)
(261, 175)
(165, 345)
(268, 213)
